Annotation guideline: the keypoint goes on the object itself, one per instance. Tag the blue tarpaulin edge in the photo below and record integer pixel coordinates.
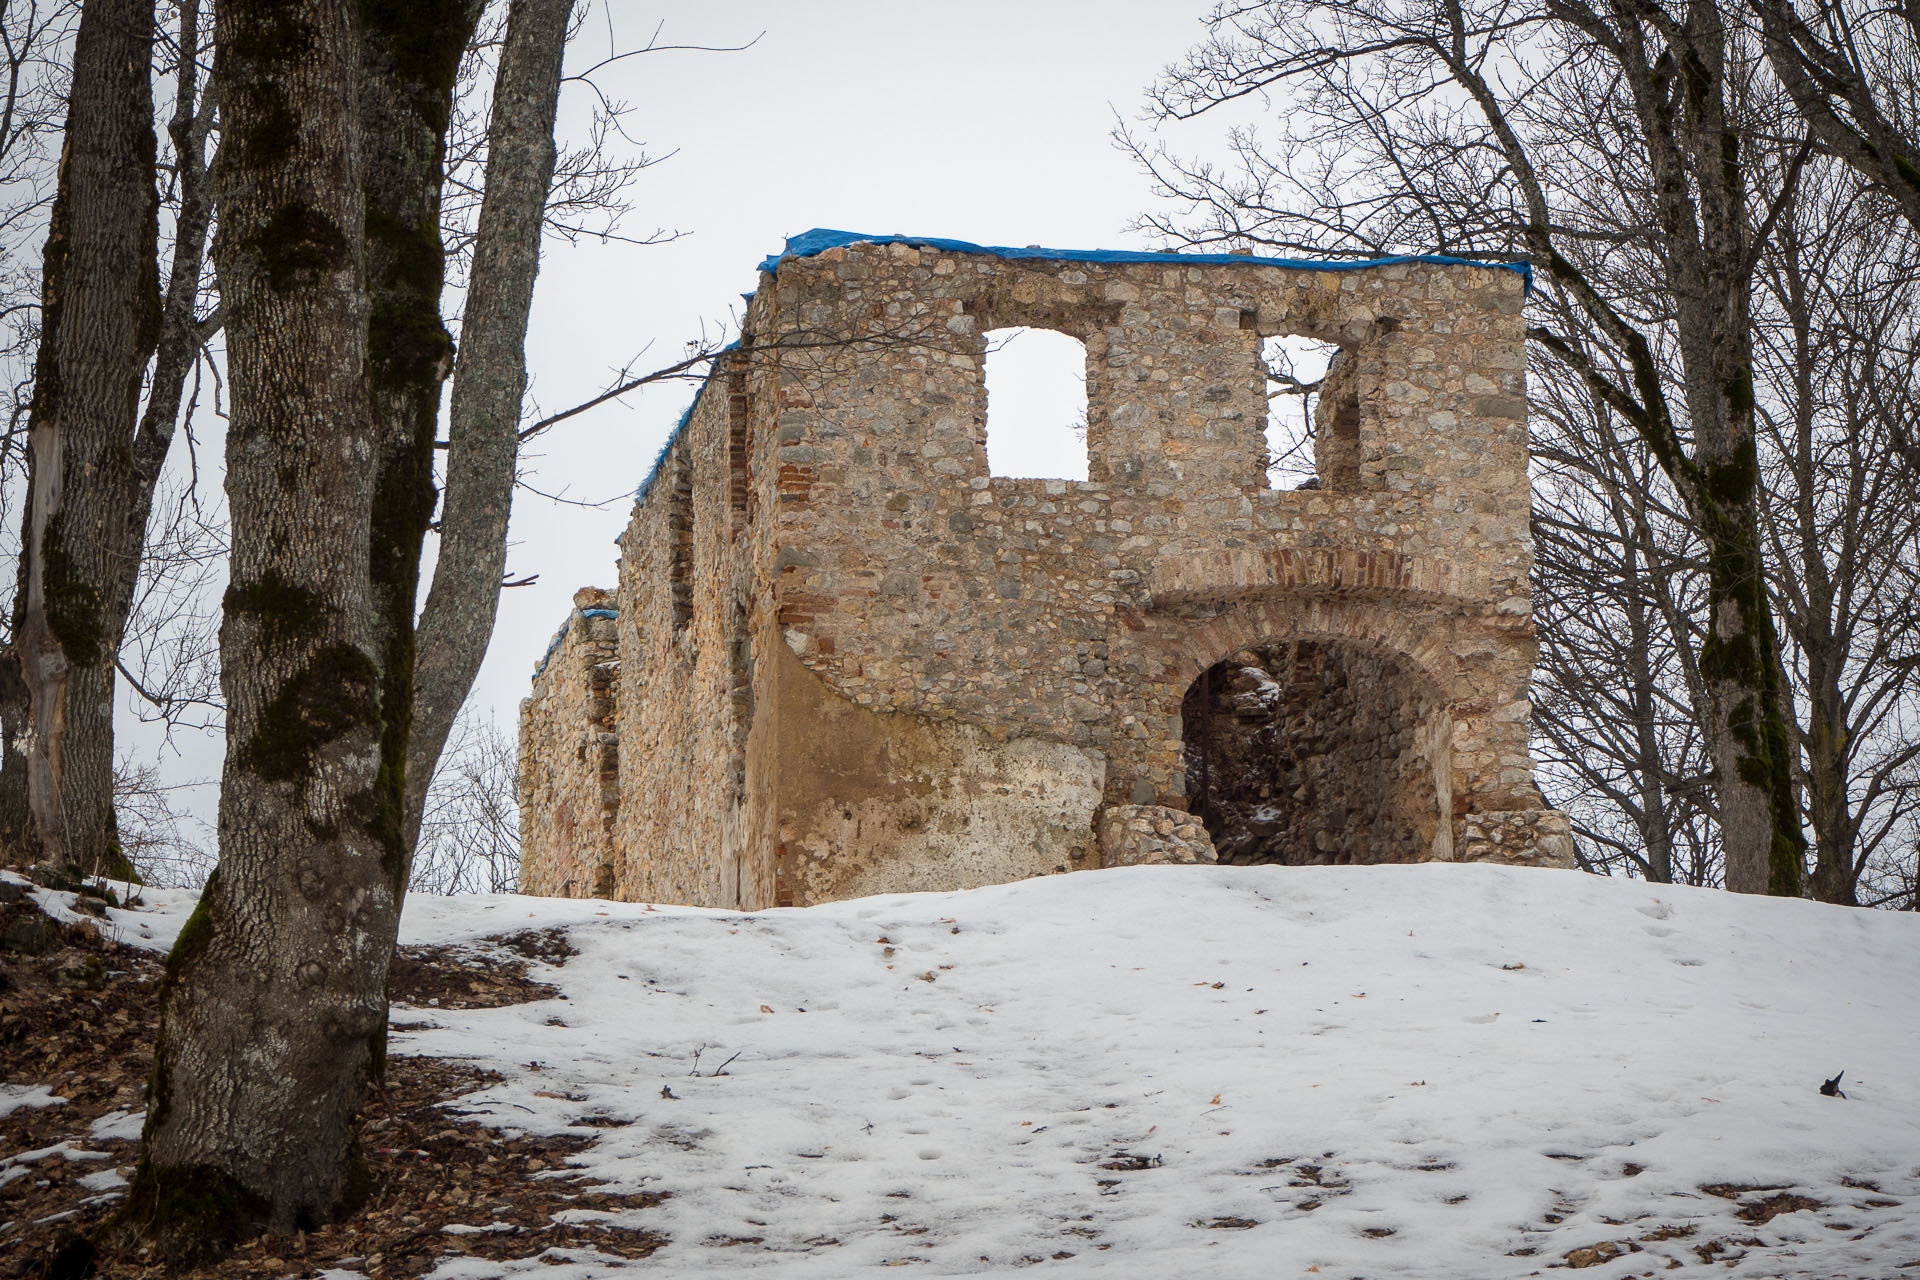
(686, 416)
(820, 239)
(560, 635)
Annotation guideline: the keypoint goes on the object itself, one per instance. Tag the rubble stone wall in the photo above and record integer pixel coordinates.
(824, 531)
(569, 757)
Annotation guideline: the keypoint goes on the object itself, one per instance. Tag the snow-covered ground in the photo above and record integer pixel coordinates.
(1449, 1071)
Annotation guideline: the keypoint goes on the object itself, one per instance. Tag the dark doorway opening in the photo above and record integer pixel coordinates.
(1314, 752)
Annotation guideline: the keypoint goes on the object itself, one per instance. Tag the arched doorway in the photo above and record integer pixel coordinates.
(1319, 751)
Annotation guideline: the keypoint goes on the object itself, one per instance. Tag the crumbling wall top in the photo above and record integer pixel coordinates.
(820, 239)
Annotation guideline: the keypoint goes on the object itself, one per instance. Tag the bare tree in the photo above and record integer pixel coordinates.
(170, 649)
(1853, 70)
(469, 839)
(1618, 593)
(162, 840)
(1467, 129)
(485, 422)
(1839, 388)
(35, 60)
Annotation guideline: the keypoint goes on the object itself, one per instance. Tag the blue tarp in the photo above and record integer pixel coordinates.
(820, 239)
(686, 416)
(561, 635)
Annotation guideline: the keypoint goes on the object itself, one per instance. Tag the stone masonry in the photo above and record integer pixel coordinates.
(843, 659)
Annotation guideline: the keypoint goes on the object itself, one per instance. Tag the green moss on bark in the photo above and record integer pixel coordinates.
(298, 243)
(73, 603)
(196, 1214)
(281, 609)
(332, 696)
(422, 41)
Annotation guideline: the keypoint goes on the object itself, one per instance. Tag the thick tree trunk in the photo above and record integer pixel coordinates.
(492, 377)
(273, 1004)
(109, 468)
(99, 320)
(1678, 86)
(1693, 143)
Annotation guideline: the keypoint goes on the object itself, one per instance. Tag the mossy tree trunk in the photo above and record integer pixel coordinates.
(273, 1003)
(1674, 72)
(1677, 74)
(95, 453)
(273, 1007)
(413, 54)
(100, 316)
(491, 380)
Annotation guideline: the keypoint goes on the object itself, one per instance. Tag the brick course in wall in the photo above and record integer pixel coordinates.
(852, 661)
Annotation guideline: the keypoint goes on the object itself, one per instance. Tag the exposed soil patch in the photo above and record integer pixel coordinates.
(1759, 1211)
(476, 977)
(549, 945)
(431, 1168)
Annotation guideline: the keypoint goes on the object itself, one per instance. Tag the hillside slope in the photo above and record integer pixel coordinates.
(1375, 1072)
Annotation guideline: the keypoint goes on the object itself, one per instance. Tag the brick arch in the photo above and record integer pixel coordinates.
(1414, 708)
(1417, 639)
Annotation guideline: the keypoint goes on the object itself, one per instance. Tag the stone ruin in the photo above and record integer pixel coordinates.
(843, 659)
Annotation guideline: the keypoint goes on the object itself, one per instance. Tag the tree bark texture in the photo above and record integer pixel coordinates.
(490, 380)
(1701, 201)
(16, 817)
(107, 527)
(413, 55)
(273, 1003)
(99, 321)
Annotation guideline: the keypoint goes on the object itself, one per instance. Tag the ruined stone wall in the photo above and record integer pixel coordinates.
(569, 757)
(1080, 612)
(853, 661)
(692, 637)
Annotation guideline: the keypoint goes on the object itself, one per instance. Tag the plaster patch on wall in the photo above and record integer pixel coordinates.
(891, 803)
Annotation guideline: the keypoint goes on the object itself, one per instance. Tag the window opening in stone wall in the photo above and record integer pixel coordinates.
(1036, 404)
(1296, 369)
(739, 441)
(680, 539)
(1310, 753)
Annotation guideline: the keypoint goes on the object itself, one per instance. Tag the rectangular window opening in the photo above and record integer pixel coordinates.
(1036, 404)
(1297, 372)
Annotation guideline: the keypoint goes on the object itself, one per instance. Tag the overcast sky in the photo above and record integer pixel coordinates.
(988, 122)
